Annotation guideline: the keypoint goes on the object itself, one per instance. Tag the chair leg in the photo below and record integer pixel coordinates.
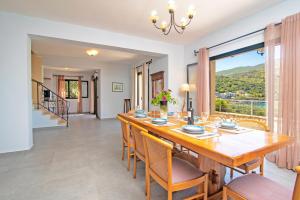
(261, 167)
(148, 191)
(205, 187)
(146, 181)
(170, 195)
(128, 157)
(123, 150)
(224, 193)
(134, 165)
(231, 173)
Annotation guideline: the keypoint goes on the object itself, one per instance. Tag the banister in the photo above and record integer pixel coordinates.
(59, 107)
(40, 83)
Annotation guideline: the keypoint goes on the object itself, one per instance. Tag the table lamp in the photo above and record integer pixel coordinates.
(184, 88)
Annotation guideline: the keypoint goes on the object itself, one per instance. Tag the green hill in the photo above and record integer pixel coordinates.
(238, 70)
(250, 80)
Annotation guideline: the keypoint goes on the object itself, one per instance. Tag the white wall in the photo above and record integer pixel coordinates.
(15, 129)
(252, 23)
(112, 102)
(15, 84)
(52, 85)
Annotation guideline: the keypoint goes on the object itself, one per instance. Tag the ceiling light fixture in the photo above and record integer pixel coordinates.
(92, 52)
(166, 27)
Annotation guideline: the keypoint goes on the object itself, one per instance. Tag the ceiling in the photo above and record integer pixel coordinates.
(61, 54)
(132, 16)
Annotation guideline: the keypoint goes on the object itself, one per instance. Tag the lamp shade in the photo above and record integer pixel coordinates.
(185, 87)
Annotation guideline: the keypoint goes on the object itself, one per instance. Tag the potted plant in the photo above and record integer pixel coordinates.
(162, 100)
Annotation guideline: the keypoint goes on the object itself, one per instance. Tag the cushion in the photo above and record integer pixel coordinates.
(256, 187)
(183, 171)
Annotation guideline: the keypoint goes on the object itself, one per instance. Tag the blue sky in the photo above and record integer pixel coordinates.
(250, 58)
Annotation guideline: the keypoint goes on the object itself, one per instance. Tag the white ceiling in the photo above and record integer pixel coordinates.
(61, 54)
(132, 16)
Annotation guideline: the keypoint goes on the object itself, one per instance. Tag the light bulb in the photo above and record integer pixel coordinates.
(171, 5)
(191, 11)
(163, 25)
(154, 16)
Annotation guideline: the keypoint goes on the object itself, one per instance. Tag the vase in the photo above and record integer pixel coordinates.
(164, 109)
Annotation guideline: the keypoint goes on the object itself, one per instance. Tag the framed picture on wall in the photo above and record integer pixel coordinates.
(117, 87)
(157, 83)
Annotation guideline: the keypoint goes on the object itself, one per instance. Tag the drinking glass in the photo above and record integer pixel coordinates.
(217, 124)
(204, 116)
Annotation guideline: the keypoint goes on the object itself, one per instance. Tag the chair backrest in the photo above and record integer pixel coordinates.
(125, 128)
(296, 193)
(158, 156)
(254, 124)
(138, 139)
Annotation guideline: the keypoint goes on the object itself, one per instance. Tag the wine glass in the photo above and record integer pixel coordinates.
(204, 116)
(217, 124)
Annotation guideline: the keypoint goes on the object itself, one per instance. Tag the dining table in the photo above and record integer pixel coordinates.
(218, 150)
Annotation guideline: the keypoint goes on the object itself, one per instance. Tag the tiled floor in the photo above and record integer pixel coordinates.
(83, 162)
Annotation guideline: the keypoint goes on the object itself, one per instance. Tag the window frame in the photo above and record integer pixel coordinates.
(68, 90)
(220, 56)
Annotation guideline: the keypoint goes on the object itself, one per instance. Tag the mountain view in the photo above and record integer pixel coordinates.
(241, 90)
(242, 82)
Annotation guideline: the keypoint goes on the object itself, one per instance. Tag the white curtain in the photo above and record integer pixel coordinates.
(145, 75)
(143, 102)
(133, 87)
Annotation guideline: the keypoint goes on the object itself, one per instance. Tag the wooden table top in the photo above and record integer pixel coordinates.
(228, 149)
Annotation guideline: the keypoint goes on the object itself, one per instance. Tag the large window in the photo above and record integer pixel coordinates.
(238, 82)
(72, 89)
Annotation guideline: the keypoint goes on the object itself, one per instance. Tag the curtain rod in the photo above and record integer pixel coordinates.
(222, 43)
(148, 63)
(67, 75)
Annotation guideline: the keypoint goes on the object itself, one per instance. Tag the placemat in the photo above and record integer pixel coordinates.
(233, 131)
(203, 136)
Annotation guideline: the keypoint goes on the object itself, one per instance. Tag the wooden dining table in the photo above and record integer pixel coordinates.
(215, 153)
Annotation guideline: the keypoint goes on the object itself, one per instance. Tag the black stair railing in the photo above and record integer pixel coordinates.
(49, 100)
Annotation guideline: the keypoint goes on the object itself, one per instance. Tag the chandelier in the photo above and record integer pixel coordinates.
(166, 27)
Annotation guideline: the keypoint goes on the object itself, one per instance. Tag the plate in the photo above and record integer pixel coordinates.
(228, 125)
(193, 129)
(140, 115)
(171, 113)
(140, 111)
(159, 121)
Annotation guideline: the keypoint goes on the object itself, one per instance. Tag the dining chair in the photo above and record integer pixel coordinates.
(258, 162)
(255, 187)
(173, 174)
(127, 140)
(139, 151)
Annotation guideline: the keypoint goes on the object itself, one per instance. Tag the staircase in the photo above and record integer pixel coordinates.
(49, 109)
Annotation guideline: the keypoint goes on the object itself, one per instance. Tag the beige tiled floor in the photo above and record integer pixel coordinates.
(83, 162)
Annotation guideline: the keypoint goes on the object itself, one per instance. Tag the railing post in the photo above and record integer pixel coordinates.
(37, 96)
(251, 102)
(67, 114)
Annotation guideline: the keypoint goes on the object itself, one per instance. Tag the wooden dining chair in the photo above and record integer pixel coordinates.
(127, 140)
(172, 173)
(139, 151)
(255, 187)
(258, 162)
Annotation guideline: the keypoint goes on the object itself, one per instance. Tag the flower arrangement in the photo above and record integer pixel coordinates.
(164, 96)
